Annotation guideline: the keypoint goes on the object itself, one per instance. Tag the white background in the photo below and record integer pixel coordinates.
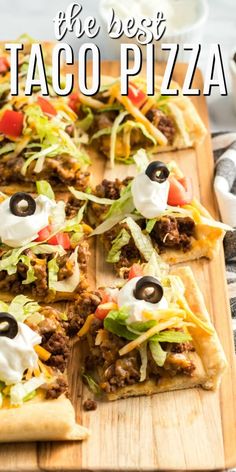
(36, 18)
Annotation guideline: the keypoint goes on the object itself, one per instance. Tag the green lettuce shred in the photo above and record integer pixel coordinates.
(158, 354)
(120, 241)
(44, 188)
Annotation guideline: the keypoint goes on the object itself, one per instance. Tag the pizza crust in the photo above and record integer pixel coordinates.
(209, 357)
(206, 243)
(41, 420)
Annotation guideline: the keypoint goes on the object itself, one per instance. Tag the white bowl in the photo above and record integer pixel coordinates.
(188, 33)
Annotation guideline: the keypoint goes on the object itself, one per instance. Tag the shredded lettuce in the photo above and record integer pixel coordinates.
(144, 361)
(67, 285)
(92, 384)
(141, 326)
(20, 392)
(170, 336)
(115, 107)
(44, 188)
(30, 277)
(8, 147)
(52, 137)
(115, 322)
(89, 196)
(141, 126)
(101, 132)
(142, 241)
(74, 223)
(11, 258)
(158, 354)
(156, 266)
(150, 225)
(49, 151)
(120, 209)
(120, 241)
(53, 270)
(21, 307)
(141, 160)
(48, 249)
(114, 132)
(87, 121)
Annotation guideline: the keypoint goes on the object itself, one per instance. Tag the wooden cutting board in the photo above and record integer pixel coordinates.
(185, 430)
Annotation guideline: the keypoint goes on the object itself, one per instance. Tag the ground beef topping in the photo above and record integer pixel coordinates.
(61, 170)
(39, 263)
(116, 371)
(56, 388)
(163, 122)
(85, 304)
(173, 232)
(89, 405)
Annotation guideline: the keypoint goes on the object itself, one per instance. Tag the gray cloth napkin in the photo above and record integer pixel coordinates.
(224, 148)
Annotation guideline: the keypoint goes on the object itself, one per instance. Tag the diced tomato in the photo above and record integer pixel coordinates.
(11, 123)
(61, 239)
(180, 192)
(137, 96)
(4, 65)
(103, 310)
(46, 106)
(73, 101)
(135, 271)
(106, 297)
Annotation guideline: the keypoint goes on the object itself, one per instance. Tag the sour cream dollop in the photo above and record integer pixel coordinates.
(17, 355)
(17, 231)
(136, 307)
(150, 197)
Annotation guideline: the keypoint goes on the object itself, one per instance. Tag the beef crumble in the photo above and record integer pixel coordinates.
(117, 371)
(56, 388)
(61, 170)
(171, 232)
(164, 123)
(89, 405)
(40, 288)
(160, 120)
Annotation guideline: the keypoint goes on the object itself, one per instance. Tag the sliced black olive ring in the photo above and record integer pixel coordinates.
(8, 325)
(157, 171)
(148, 289)
(22, 204)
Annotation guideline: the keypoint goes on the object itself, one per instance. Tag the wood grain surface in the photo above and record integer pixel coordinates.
(184, 430)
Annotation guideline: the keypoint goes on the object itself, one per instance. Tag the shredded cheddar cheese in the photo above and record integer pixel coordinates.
(43, 354)
(148, 334)
(86, 326)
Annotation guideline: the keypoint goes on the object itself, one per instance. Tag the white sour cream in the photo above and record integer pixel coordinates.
(136, 307)
(17, 231)
(150, 197)
(17, 355)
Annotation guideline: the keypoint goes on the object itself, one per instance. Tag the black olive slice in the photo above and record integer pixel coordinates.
(148, 289)
(22, 204)
(8, 325)
(157, 171)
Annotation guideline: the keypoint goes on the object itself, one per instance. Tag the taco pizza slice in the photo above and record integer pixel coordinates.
(34, 345)
(123, 124)
(40, 138)
(42, 253)
(154, 210)
(152, 335)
